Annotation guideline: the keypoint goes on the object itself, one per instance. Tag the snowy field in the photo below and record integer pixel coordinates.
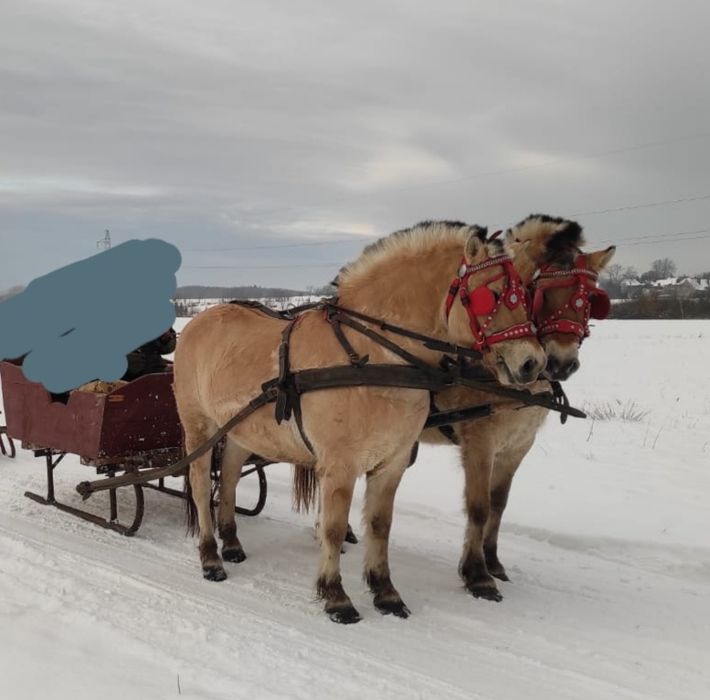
(606, 540)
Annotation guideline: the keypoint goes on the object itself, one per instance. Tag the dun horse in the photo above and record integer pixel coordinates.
(564, 296)
(226, 353)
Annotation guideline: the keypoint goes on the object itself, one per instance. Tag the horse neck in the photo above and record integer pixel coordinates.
(407, 290)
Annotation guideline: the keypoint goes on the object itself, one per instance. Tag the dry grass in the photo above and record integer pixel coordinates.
(628, 411)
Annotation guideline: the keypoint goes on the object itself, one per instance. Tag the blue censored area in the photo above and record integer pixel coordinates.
(78, 323)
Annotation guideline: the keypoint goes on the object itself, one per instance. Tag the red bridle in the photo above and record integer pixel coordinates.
(587, 301)
(482, 302)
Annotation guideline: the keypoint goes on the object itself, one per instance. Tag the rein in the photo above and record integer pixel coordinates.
(587, 301)
(286, 389)
(483, 302)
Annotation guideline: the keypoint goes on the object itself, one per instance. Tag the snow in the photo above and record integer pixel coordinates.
(605, 540)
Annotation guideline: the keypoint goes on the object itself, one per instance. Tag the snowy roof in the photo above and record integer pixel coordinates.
(667, 282)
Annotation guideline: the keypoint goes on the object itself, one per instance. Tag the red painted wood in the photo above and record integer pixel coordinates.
(139, 417)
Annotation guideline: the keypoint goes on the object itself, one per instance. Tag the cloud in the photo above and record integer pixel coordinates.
(236, 123)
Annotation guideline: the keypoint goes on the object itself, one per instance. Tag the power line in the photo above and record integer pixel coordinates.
(706, 234)
(357, 238)
(644, 205)
(333, 241)
(259, 267)
(675, 236)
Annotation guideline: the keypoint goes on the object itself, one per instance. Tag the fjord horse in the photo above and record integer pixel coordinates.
(227, 352)
(565, 296)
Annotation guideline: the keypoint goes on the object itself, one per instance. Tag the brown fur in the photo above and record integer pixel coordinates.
(493, 448)
(226, 353)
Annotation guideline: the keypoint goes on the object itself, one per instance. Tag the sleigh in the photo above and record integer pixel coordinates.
(128, 431)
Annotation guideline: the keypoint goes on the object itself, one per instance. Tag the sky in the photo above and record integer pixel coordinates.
(271, 140)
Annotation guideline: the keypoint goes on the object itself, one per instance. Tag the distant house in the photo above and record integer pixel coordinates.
(634, 289)
(669, 288)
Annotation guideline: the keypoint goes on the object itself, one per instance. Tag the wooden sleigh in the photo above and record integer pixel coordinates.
(127, 431)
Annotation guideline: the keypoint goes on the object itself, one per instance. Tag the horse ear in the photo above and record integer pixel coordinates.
(598, 260)
(475, 245)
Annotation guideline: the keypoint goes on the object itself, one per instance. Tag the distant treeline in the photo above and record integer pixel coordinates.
(250, 292)
(651, 307)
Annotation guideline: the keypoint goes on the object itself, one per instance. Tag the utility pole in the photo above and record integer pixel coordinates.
(105, 242)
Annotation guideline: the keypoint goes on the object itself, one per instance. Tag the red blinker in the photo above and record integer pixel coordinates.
(482, 301)
(600, 305)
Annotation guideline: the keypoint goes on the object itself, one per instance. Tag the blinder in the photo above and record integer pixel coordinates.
(600, 304)
(482, 301)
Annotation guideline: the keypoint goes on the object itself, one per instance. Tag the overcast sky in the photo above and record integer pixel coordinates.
(259, 125)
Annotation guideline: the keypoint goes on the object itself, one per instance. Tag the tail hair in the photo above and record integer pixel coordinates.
(305, 488)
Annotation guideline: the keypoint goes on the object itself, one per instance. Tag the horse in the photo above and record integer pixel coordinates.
(227, 352)
(565, 297)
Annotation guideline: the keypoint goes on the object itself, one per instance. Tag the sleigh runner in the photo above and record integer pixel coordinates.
(130, 430)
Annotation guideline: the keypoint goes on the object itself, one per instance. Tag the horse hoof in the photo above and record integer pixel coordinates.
(344, 616)
(350, 536)
(393, 607)
(485, 592)
(214, 573)
(500, 574)
(234, 555)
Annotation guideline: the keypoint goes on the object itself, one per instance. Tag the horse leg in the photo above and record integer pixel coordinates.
(478, 464)
(231, 470)
(336, 492)
(201, 485)
(504, 469)
(350, 536)
(379, 504)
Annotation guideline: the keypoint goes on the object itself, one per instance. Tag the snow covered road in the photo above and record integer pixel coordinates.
(605, 539)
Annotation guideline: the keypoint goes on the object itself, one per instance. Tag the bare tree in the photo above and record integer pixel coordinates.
(663, 268)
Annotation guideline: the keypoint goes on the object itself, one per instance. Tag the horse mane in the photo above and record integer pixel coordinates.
(554, 239)
(416, 240)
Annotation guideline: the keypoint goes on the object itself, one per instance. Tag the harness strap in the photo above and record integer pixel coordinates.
(289, 385)
(428, 341)
(445, 429)
(288, 400)
(355, 359)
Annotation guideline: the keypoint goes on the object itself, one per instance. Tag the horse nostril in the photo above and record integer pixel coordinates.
(572, 367)
(529, 368)
(553, 364)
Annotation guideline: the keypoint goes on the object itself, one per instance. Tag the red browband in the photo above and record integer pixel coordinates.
(481, 302)
(588, 300)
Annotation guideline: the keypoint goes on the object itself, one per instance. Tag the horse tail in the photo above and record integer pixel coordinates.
(305, 488)
(191, 522)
